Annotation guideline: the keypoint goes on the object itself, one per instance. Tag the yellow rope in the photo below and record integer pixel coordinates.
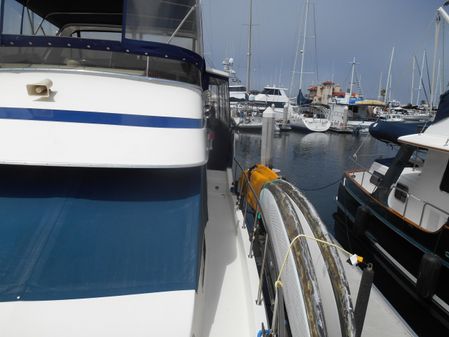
(278, 283)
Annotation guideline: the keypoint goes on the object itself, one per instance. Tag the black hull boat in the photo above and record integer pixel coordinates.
(397, 212)
(399, 248)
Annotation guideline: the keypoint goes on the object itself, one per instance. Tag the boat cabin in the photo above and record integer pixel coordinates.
(106, 112)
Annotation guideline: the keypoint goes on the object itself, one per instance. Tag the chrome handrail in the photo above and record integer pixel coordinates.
(255, 225)
(408, 197)
(258, 205)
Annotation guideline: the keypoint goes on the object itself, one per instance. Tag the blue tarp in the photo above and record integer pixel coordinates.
(85, 232)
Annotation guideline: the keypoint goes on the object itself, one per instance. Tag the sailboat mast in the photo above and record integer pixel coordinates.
(437, 83)
(434, 63)
(388, 86)
(250, 35)
(413, 81)
(352, 79)
(379, 91)
(295, 62)
(304, 44)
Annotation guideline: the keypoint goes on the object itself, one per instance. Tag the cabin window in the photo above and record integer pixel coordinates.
(418, 158)
(219, 99)
(376, 178)
(96, 59)
(267, 91)
(401, 192)
(237, 89)
(444, 186)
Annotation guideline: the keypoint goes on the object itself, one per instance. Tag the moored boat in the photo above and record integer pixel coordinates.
(398, 210)
(113, 172)
(310, 118)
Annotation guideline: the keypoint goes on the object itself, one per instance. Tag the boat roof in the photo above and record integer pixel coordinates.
(427, 141)
(217, 73)
(274, 87)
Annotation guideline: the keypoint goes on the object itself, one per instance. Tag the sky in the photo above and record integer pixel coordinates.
(337, 31)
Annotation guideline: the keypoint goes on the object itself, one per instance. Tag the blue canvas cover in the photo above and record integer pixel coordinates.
(389, 132)
(84, 232)
(443, 107)
(301, 100)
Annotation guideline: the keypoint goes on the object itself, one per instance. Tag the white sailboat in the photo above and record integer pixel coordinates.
(307, 118)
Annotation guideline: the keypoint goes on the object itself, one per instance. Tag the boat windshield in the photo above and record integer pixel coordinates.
(164, 21)
(173, 22)
(136, 37)
(237, 88)
(269, 91)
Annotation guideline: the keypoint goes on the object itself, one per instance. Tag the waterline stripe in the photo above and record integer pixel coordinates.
(88, 117)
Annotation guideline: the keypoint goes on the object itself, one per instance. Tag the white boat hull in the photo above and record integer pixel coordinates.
(310, 124)
(89, 120)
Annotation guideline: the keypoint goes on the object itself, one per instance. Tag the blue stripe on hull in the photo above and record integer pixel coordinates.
(70, 116)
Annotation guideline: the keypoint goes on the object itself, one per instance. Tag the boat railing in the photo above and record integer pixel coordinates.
(408, 196)
(364, 173)
(258, 211)
(276, 293)
(425, 204)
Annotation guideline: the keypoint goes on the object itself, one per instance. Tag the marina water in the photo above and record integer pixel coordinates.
(315, 162)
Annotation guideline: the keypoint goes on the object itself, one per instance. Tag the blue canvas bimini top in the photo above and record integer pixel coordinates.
(83, 232)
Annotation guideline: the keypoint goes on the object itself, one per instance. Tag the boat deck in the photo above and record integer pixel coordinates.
(231, 278)
(381, 318)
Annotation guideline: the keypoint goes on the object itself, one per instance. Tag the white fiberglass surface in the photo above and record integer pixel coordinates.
(324, 280)
(293, 295)
(231, 279)
(83, 91)
(84, 145)
(40, 130)
(156, 314)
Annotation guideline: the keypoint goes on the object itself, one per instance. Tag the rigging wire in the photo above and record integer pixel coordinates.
(422, 80)
(428, 79)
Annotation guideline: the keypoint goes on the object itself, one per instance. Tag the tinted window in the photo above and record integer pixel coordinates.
(268, 91)
(113, 61)
(219, 99)
(444, 186)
